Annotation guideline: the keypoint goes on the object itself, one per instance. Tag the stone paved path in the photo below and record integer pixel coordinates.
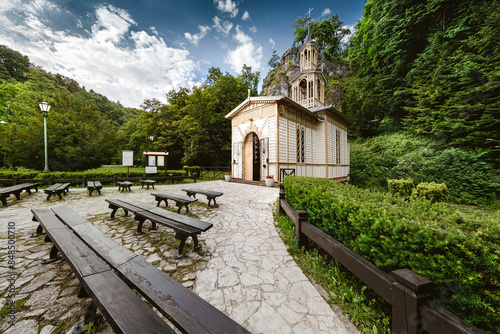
(243, 269)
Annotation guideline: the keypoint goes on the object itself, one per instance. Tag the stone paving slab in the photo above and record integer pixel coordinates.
(243, 269)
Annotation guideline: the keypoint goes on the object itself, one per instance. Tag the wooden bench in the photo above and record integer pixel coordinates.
(94, 185)
(16, 190)
(125, 311)
(211, 195)
(183, 226)
(122, 185)
(57, 189)
(188, 312)
(148, 183)
(180, 200)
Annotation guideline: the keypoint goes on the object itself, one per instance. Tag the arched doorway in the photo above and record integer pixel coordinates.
(251, 158)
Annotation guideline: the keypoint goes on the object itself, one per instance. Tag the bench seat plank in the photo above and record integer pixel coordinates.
(211, 195)
(16, 190)
(179, 304)
(199, 224)
(125, 311)
(180, 200)
(186, 310)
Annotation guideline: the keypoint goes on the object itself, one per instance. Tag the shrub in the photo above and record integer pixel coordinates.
(434, 192)
(402, 187)
(402, 155)
(460, 253)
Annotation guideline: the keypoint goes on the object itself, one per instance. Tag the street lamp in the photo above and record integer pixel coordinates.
(149, 142)
(45, 107)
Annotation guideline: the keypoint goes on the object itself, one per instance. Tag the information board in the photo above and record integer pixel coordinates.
(127, 158)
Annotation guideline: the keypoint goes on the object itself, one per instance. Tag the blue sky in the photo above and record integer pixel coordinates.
(132, 50)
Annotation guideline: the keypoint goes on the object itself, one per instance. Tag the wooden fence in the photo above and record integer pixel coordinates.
(83, 181)
(409, 293)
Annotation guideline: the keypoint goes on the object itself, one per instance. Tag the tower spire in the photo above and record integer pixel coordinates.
(309, 24)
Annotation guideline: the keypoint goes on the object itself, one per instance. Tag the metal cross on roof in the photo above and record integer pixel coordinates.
(309, 12)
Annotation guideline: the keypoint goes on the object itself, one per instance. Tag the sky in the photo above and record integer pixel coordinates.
(132, 50)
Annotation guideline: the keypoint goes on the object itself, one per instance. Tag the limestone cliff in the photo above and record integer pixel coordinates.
(277, 81)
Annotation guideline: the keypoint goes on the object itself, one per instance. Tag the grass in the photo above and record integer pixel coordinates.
(364, 308)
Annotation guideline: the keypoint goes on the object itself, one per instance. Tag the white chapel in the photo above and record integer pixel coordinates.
(296, 135)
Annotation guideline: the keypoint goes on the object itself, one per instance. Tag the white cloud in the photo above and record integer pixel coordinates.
(195, 39)
(247, 52)
(348, 37)
(227, 6)
(253, 29)
(246, 16)
(222, 27)
(326, 12)
(272, 42)
(110, 58)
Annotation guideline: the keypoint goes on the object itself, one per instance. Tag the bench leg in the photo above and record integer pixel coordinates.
(197, 245)
(90, 316)
(52, 256)
(18, 194)
(59, 194)
(4, 200)
(210, 198)
(39, 230)
(141, 222)
(182, 237)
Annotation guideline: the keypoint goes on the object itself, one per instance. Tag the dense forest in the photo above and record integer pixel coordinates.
(425, 71)
(86, 130)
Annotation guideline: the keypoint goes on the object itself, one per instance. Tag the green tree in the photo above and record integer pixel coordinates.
(250, 78)
(274, 61)
(328, 34)
(13, 63)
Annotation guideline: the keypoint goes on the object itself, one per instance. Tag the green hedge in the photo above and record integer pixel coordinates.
(402, 187)
(458, 251)
(91, 173)
(402, 155)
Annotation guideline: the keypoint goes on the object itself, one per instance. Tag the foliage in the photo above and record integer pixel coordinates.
(402, 155)
(250, 78)
(81, 126)
(401, 187)
(13, 64)
(458, 251)
(274, 61)
(363, 307)
(328, 34)
(431, 191)
(192, 127)
(431, 64)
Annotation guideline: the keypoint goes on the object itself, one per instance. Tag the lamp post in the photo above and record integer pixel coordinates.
(149, 142)
(45, 107)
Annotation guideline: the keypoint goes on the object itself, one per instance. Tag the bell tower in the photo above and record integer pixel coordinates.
(308, 87)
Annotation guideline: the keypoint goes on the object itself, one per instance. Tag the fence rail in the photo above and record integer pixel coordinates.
(215, 171)
(83, 181)
(409, 293)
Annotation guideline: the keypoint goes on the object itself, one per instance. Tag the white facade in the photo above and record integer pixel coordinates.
(279, 136)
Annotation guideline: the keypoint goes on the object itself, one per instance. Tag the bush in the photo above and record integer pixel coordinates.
(402, 155)
(434, 192)
(459, 252)
(402, 188)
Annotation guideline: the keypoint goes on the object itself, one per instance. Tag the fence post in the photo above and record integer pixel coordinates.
(410, 290)
(51, 180)
(15, 181)
(115, 180)
(282, 197)
(300, 238)
(84, 181)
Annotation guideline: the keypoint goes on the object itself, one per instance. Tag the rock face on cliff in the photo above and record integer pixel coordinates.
(277, 81)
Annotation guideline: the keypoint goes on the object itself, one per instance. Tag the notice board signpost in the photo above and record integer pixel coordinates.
(127, 159)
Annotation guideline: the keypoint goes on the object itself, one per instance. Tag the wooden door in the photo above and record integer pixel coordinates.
(251, 157)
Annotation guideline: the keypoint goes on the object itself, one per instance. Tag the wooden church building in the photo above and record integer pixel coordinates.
(297, 135)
